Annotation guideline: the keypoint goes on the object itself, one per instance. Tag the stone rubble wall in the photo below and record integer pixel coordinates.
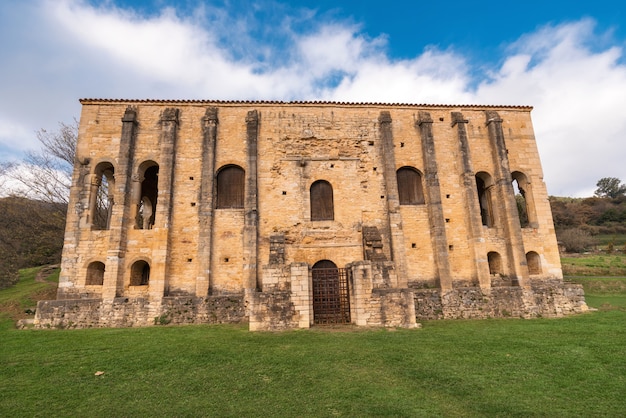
(550, 299)
(138, 312)
(275, 309)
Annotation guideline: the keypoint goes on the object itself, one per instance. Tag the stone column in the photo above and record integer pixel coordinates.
(120, 217)
(301, 295)
(159, 283)
(474, 221)
(436, 219)
(77, 219)
(394, 217)
(206, 205)
(505, 198)
(361, 293)
(250, 231)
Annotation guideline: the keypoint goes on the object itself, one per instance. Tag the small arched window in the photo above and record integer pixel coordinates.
(230, 187)
(410, 190)
(495, 263)
(322, 208)
(534, 262)
(140, 273)
(95, 274)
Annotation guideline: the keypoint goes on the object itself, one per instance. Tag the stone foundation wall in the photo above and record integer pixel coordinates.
(552, 298)
(275, 310)
(272, 311)
(137, 312)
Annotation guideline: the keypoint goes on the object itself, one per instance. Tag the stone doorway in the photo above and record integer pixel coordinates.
(331, 297)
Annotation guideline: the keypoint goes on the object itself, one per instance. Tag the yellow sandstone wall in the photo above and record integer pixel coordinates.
(298, 144)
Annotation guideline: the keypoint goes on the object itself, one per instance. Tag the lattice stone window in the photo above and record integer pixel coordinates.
(322, 201)
(95, 274)
(230, 187)
(410, 189)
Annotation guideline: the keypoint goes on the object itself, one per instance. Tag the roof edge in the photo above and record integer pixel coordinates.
(293, 102)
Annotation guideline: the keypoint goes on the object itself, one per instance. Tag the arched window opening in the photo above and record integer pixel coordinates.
(146, 206)
(322, 208)
(102, 198)
(95, 274)
(524, 200)
(495, 263)
(140, 273)
(483, 186)
(230, 187)
(534, 262)
(410, 189)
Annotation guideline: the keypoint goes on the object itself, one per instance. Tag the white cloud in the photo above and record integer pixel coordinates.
(79, 50)
(578, 98)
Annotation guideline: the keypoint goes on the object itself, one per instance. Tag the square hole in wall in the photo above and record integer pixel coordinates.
(401, 144)
(193, 203)
(225, 259)
(189, 260)
(284, 193)
(450, 247)
(447, 196)
(447, 220)
(191, 178)
(413, 245)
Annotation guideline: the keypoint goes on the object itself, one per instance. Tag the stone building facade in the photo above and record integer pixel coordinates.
(291, 214)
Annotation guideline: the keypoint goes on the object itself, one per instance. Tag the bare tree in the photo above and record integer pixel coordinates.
(46, 174)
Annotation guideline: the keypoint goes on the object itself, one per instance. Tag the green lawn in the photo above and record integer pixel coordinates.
(603, 292)
(594, 265)
(567, 367)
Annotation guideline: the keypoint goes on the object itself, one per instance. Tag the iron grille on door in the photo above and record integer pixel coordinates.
(331, 300)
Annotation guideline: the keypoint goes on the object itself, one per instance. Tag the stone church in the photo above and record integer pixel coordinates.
(298, 214)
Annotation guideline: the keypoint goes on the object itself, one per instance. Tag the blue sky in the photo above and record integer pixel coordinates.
(565, 58)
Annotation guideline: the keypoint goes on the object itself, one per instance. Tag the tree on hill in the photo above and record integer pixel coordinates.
(46, 174)
(31, 234)
(34, 207)
(610, 187)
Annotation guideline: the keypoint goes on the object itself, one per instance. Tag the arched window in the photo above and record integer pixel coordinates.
(147, 204)
(524, 200)
(534, 262)
(140, 273)
(322, 201)
(495, 263)
(230, 187)
(102, 196)
(410, 190)
(95, 274)
(483, 186)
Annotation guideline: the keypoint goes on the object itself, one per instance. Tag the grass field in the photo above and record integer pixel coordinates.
(573, 366)
(594, 265)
